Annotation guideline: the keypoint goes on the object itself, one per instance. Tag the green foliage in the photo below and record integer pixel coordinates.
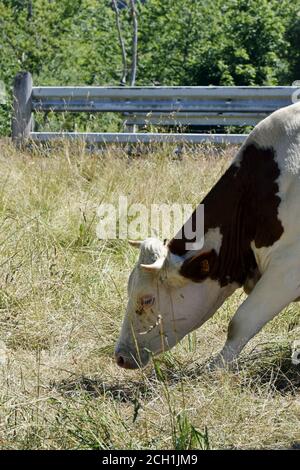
(293, 54)
(87, 429)
(232, 42)
(219, 42)
(187, 437)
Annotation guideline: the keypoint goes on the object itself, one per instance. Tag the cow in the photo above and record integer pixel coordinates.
(251, 240)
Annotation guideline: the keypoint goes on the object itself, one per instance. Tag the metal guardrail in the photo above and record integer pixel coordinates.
(142, 137)
(171, 106)
(191, 119)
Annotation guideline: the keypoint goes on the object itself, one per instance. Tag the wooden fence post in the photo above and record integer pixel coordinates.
(22, 120)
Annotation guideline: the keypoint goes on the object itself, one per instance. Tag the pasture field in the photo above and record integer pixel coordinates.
(62, 300)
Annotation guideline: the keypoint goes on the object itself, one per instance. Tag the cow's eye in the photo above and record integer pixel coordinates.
(147, 301)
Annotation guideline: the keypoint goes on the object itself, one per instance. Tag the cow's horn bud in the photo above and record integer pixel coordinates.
(135, 243)
(156, 266)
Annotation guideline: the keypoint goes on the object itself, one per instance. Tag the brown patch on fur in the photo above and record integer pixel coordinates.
(244, 206)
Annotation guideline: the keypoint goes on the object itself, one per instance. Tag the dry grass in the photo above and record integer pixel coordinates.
(62, 300)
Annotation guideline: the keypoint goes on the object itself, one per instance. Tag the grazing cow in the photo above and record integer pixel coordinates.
(252, 239)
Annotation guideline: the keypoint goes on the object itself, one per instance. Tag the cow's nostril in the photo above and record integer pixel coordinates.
(120, 360)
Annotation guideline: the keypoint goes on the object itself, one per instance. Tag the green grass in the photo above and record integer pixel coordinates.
(63, 297)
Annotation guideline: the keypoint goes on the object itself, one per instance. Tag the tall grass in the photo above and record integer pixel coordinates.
(62, 300)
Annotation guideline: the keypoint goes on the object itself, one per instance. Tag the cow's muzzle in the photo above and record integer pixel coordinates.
(128, 360)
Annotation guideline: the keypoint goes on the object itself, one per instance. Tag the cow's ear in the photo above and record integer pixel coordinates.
(199, 266)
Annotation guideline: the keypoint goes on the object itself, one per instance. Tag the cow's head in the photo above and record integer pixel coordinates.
(163, 303)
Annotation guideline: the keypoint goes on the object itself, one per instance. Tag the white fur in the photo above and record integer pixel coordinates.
(182, 305)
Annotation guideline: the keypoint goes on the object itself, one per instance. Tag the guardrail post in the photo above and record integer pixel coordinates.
(22, 120)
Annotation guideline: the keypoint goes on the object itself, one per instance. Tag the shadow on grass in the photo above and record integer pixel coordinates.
(271, 366)
(124, 393)
(130, 390)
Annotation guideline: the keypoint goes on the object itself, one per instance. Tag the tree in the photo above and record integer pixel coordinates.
(180, 42)
(293, 53)
(239, 42)
(134, 41)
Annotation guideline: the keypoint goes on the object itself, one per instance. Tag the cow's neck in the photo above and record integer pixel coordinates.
(240, 208)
